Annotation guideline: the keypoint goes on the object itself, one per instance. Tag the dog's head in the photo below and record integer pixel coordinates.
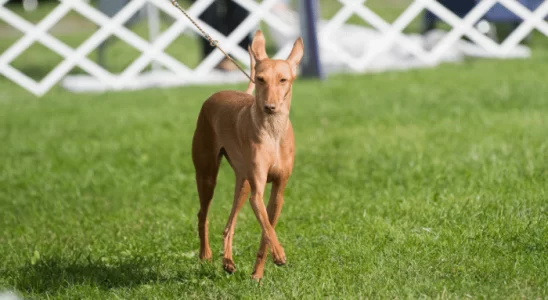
(274, 77)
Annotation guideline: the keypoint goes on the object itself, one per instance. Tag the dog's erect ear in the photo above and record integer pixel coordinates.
(296, 55)
(258, 46)
(251, 60)
(251, 85)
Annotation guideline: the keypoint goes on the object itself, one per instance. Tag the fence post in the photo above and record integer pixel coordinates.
(311, 65)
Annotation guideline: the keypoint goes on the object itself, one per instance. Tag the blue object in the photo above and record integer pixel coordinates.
(497, 14)
(311, 65)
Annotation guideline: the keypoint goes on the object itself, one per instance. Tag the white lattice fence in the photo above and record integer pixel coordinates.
(392, 33)
(177, 73)
(131, 77)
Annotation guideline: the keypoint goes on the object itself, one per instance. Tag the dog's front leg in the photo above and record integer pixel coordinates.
(274, 209)
(258, 183)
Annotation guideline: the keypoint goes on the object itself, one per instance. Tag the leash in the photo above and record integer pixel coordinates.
(212, 42)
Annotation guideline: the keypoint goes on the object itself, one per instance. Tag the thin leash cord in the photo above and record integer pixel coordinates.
(212, 42)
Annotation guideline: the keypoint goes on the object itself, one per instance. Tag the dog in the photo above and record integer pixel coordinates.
(255, 135)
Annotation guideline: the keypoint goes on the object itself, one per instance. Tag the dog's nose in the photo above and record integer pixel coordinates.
(269, 107)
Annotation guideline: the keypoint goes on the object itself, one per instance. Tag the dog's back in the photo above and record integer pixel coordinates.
(220, 124)
(234, 103)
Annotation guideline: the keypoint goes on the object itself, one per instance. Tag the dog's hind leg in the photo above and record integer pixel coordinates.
(206, 163)
(240, 196)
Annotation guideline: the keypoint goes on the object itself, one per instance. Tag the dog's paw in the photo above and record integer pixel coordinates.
(206, 256)
(229, 265)
(280, 262)
(278, 256)
(257, 276)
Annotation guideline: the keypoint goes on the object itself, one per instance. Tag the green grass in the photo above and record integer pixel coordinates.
(424, 184)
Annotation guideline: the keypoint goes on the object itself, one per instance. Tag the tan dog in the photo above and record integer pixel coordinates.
(256, 137)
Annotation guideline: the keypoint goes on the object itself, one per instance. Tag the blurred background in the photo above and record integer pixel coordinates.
(349, 39)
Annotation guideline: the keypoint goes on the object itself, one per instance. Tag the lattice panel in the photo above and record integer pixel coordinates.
(180, 73)
(77, 56)
(393, 33)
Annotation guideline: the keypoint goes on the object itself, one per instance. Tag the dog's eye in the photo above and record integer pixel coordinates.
(283, 80)
(260, 79)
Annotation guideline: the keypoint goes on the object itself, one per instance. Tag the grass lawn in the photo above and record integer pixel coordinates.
(429, 183)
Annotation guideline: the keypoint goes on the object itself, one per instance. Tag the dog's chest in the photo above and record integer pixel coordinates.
(272, 151)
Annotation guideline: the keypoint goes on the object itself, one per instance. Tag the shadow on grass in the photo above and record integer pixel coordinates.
(50, 275)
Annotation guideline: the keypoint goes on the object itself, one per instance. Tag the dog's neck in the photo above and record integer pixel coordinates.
(272, 126)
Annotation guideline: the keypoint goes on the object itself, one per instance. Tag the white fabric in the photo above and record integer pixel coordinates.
(358, 40)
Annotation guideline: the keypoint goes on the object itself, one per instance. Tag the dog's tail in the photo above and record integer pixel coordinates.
(251, 85)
